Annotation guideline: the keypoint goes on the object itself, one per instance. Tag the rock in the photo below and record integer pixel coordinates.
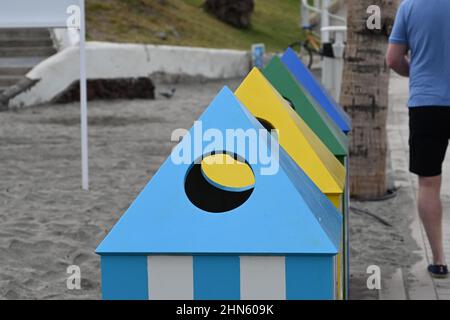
(236, 13)
(124, 88)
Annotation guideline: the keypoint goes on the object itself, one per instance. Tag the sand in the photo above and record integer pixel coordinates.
(48, 223)
(372, 242)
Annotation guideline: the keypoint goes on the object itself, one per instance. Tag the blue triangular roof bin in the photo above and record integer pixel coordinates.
(317, 91)
(286, 223)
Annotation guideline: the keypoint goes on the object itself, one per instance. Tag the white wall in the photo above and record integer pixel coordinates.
(110, 60)
(64, 38)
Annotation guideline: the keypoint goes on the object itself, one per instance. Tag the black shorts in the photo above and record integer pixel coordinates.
(429, 133)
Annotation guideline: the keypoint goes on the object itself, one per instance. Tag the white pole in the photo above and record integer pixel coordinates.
(338, 49)
(304, 14)
(327, 77)
(325, 19)
(83, 102)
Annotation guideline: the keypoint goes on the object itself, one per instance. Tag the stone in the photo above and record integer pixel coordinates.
(236, 13)
(123, 88)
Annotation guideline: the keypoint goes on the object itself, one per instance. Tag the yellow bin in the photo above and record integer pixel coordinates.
(299, 141)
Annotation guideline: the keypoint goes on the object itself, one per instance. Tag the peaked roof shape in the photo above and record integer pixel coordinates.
(306, 107)
(306, 78)
(285, 214)
(299, 141)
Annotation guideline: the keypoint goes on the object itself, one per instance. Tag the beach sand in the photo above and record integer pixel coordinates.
(48, 223)
(373, 243)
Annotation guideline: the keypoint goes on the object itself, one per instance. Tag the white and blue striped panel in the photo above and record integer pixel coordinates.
(170, 278)
(246, 277)
(263, 278)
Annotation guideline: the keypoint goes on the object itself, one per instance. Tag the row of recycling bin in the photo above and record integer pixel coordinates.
(208, 231)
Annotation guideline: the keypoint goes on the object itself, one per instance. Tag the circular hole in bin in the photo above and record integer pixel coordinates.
(266, 124)
(289, 102)
(220, 182)
(269, 127)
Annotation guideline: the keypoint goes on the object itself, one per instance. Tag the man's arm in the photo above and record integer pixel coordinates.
(397, 60)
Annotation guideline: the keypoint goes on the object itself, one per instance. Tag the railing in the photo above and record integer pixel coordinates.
(318, 8)
(331, 68)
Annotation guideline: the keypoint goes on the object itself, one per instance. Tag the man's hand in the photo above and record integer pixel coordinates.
(397, 60)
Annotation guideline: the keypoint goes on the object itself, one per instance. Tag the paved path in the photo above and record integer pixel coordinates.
(418, 284)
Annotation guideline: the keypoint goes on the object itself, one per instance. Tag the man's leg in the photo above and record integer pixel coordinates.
(430, 211)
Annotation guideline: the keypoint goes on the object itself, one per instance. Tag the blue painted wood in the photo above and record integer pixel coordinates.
(306, 78)
(163, 220)
(124, 277)
(322, 209)
(217, 278)
(309, 277)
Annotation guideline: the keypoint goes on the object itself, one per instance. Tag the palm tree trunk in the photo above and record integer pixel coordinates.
(364, 95)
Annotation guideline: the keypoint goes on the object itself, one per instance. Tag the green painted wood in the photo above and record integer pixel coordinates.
(306, 107)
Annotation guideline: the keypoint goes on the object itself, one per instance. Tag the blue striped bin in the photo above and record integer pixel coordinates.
(280, 243)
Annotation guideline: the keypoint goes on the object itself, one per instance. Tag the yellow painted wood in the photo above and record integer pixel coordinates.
(299, 141)
(336, 199)
(226, 172)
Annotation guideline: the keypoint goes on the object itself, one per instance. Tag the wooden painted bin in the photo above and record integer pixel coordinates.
(280, 243)
(319, 94)
(307, 108)
(317, 119)
(304, 76)
(299, 141)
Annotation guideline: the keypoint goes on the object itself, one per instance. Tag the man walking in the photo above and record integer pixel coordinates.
(423, 28)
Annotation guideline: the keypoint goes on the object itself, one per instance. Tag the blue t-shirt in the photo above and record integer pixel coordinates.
(424, 26)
